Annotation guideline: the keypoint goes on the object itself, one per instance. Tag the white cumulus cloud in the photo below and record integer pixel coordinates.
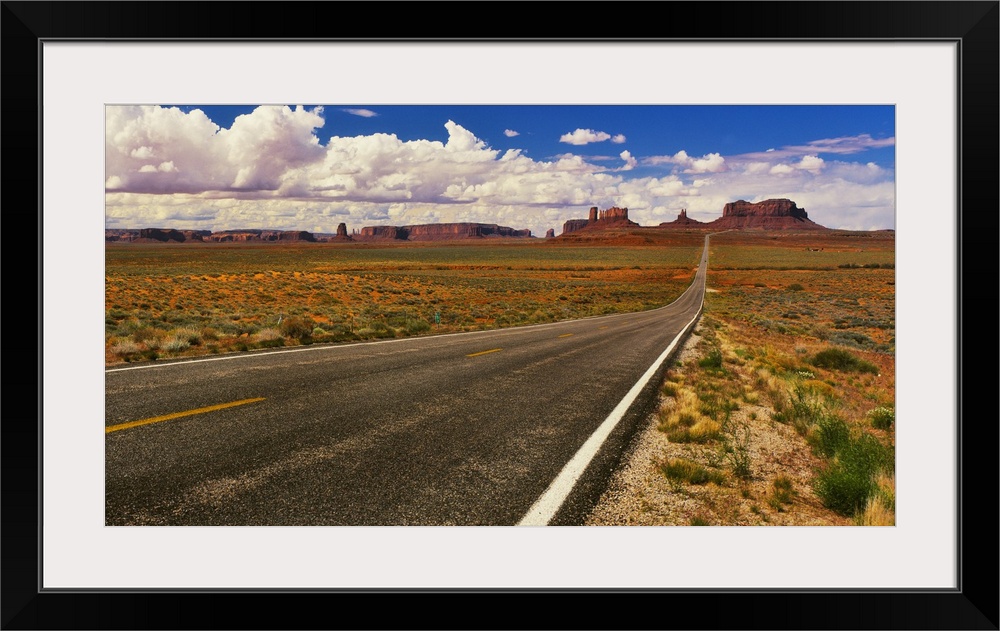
(630, 162)
(813, 164)
(510, 133)
(584, 137)
(361, 112)
(709, 163)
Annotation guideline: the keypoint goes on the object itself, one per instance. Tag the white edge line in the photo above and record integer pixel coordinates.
(545, 507)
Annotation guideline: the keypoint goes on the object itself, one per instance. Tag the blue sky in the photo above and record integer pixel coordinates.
(311, 167)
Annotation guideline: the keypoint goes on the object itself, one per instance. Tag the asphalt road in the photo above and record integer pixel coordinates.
(463, 429)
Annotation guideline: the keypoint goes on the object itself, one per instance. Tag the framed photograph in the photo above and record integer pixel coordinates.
(79, 552)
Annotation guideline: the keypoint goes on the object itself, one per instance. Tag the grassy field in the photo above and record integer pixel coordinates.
(184, 300)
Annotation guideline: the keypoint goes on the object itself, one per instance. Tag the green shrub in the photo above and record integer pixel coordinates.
(834, 436)
(840, 359)
(849, 480)
(782, 492)
(803, 410)
(882, 417)
(738, 451)
(712, 361)
(416, 326)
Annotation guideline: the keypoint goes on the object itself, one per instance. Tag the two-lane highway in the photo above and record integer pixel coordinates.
(462, 429)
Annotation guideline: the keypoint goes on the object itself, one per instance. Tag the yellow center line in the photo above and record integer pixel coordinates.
(492, 350)
(565, 335)
(167, 417)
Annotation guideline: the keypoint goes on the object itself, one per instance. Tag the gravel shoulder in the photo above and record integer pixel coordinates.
(639, 494)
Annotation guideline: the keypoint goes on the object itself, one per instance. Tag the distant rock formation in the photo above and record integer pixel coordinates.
(237, 236)
(160, 234)
(340, 236)
(683, 221)
(154, 235)
(770, 214)
(166, 235)
(572, 225)
(613, 217)
(550, 233)
(441, 232)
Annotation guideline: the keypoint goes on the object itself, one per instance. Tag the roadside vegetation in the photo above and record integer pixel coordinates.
(780, 408)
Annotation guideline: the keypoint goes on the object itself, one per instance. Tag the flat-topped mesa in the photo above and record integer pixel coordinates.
(610, 218)
(384, 232)
(442, 232)
(162, 235)
(770, 214)
(766, 208)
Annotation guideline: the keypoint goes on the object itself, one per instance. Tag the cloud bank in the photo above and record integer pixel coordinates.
(168, 168)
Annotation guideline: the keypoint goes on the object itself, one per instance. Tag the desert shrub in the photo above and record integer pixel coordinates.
(795, 287)
(880, 509)
(266, 335)
(191, 336)
(882, 417)
(802, 410)
(782, 493)
(174, 344)
(296, 327)
(416, 326)
(209, 334)
(144, 334)
(738, 451)
(833, 436)
(682, 421)
(712, 361)
(318, 332)
(840, 359)
(124, 347)
(700, 431)
(268, 338)
(681, 470)
(849, 480)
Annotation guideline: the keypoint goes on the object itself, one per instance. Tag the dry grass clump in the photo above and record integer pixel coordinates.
(683, 421)
(880, 509)
(683, 470)
(124, 347)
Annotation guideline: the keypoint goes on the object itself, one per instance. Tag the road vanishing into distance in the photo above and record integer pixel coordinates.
(518, 426)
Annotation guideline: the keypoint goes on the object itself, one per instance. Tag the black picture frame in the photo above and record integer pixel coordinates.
(972, 605)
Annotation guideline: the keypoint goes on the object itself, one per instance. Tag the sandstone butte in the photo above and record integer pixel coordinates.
(770, 214)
